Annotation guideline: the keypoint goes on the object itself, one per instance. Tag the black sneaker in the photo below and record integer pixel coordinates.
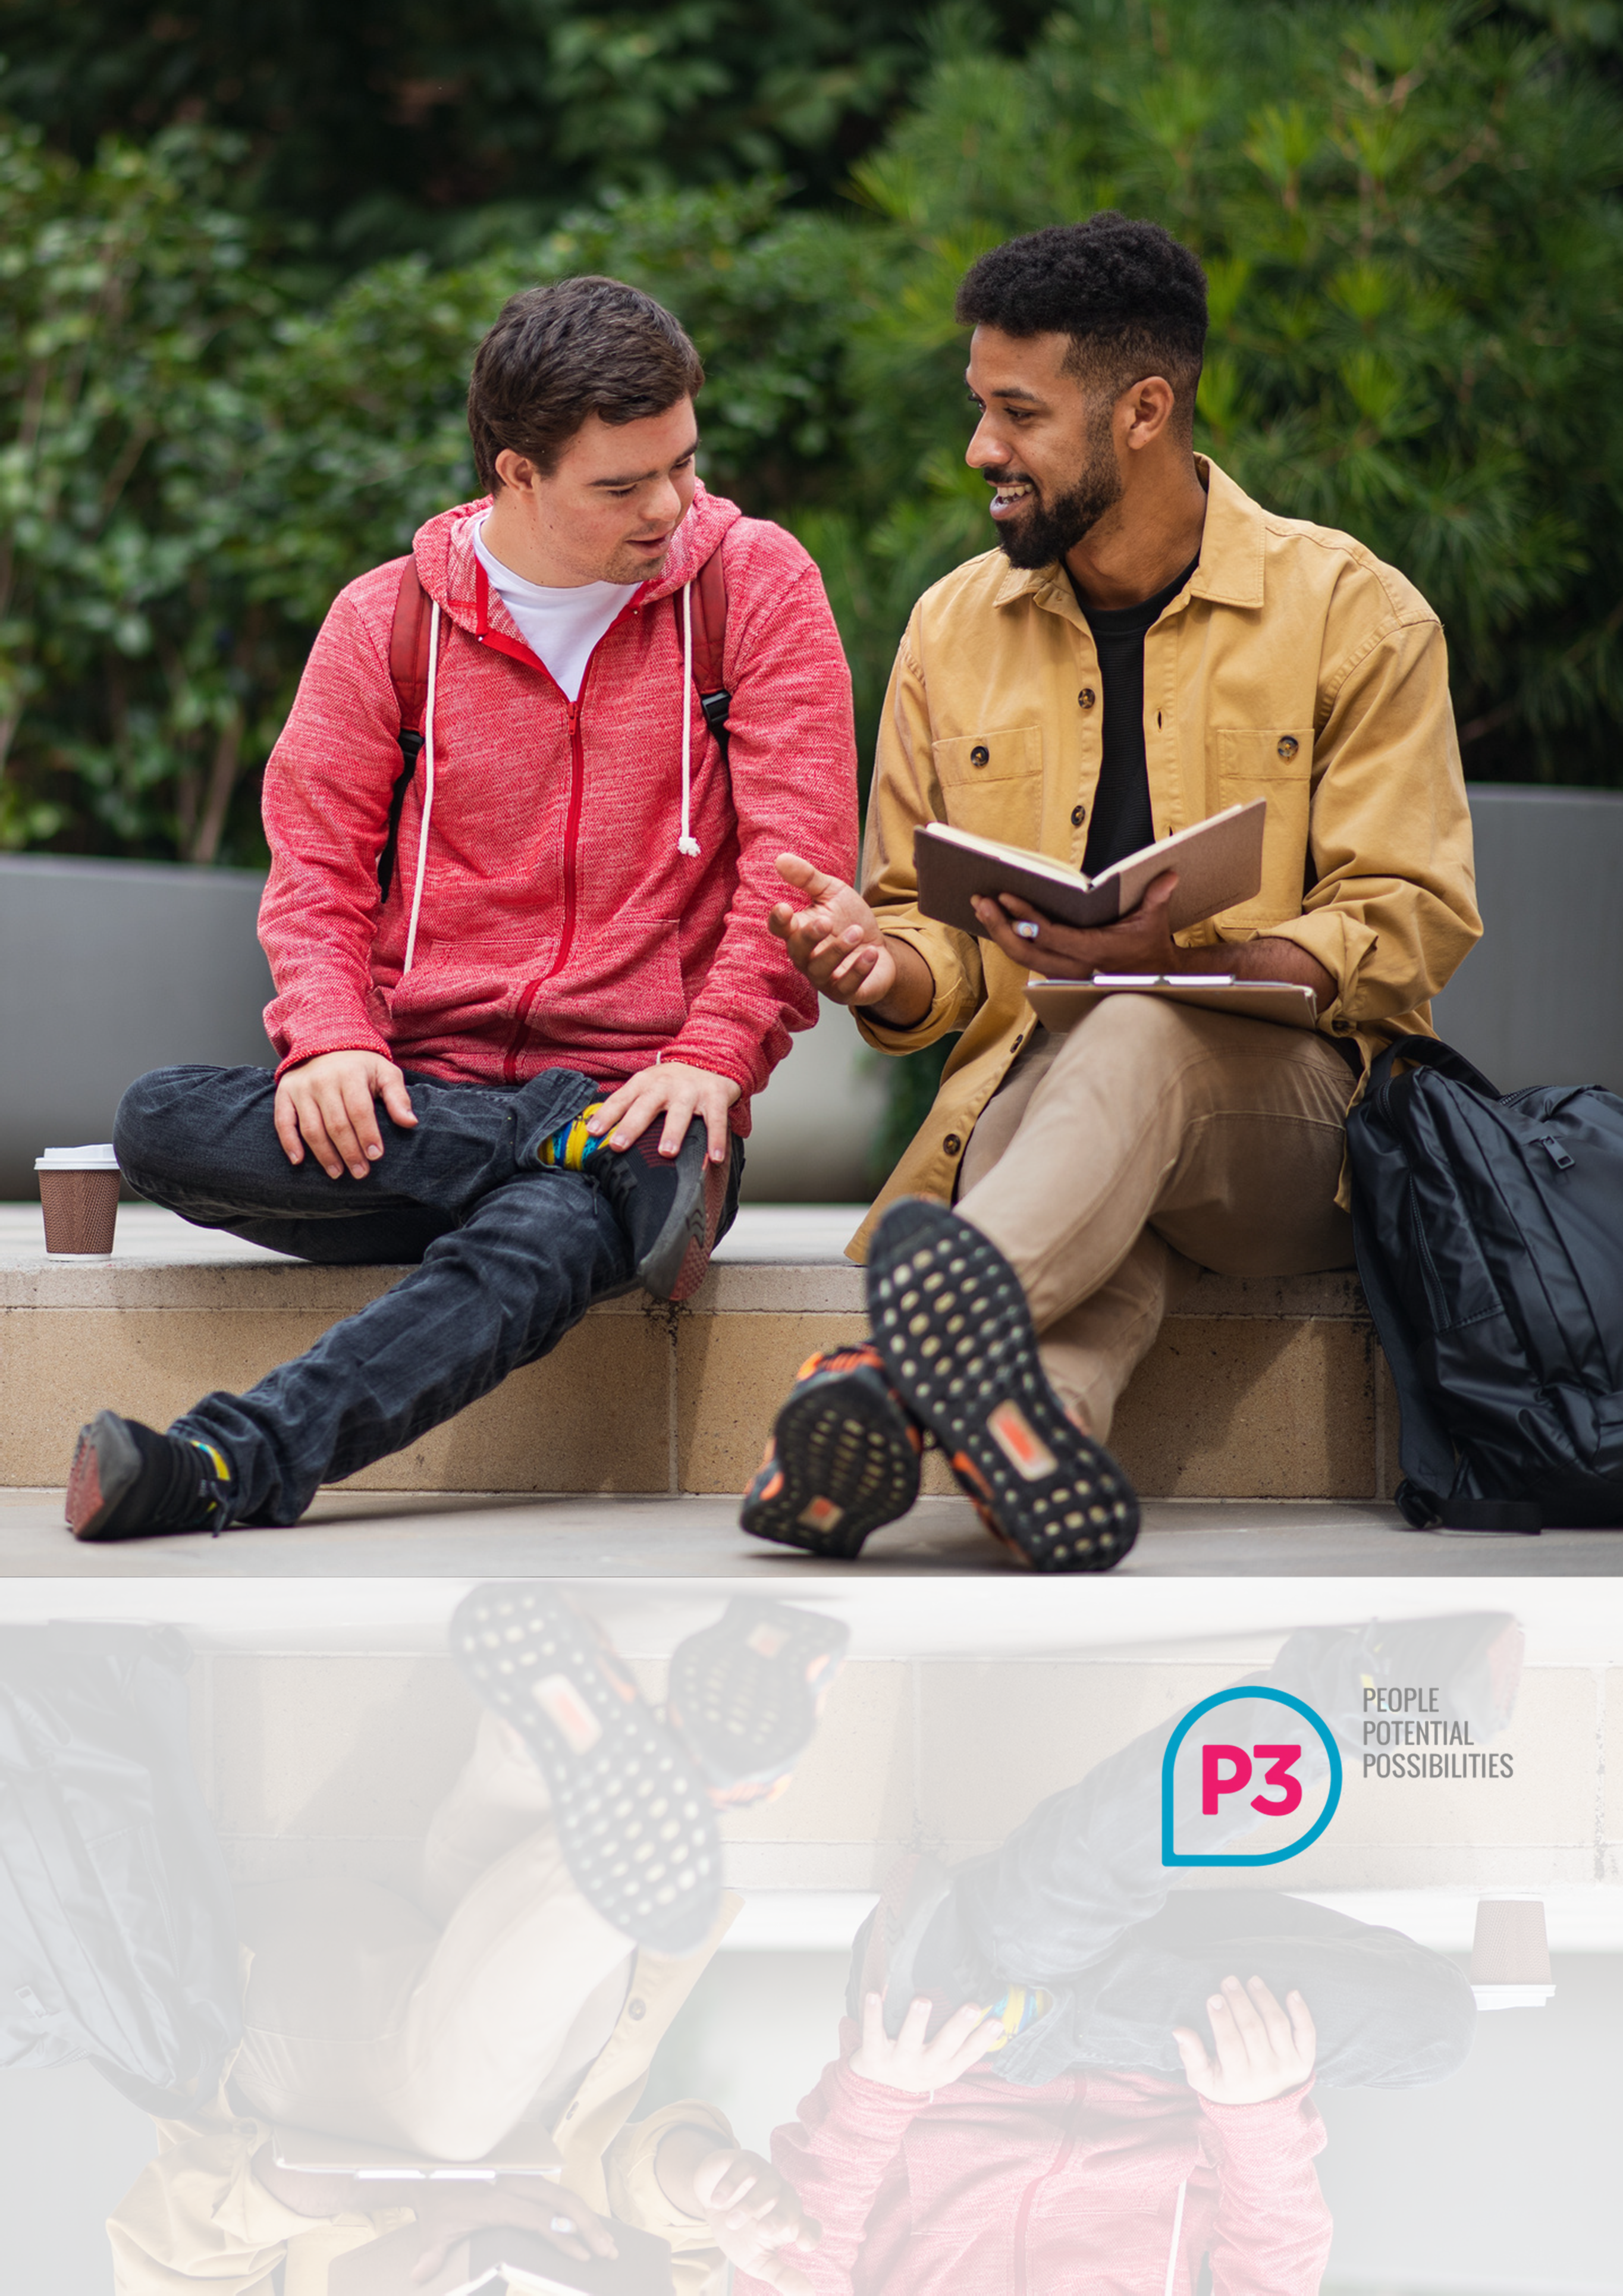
(128, 1481)
(670, 1207)
(950, 1319)
(843, 1457)
(746, 1695)
(634, 1823)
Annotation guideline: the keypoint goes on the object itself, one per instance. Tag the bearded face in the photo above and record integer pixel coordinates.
(1040, 519)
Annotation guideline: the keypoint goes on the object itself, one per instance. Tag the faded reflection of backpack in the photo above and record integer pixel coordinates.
(117, 1935)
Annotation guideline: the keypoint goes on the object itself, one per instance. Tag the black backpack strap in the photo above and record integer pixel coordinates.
(1425, 1449)
(1429, 1053)
(408, 673)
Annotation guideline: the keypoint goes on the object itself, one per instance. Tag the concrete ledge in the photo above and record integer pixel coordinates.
(1256, 1388)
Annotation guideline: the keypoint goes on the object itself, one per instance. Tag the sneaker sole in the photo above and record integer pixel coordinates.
(105, 1465)
(674, 1265)
(635, 1822)
(951, 1322)
(746, 1693)
(845, 1466)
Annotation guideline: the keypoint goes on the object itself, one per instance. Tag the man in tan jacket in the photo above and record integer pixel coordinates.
(1145, 646)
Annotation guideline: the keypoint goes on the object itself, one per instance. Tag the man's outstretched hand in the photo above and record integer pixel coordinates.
(834, 938)
(1259, 2050)
(330, 1104)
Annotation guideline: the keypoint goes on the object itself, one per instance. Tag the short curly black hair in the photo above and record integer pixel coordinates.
(1131, 299)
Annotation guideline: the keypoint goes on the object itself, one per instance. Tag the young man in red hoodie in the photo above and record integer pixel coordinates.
(524, 988)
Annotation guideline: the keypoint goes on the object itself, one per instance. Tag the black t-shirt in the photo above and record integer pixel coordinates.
(1122, 822)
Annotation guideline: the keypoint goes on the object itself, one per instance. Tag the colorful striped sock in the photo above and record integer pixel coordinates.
(1020, 2006)
(571, 1146)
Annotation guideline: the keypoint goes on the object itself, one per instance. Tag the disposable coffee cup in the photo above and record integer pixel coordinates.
(79, 1194)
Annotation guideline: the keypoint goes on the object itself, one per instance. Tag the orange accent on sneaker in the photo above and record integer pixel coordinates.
(84, 1487)
(820, 1514)
(965, 1467)
(562, 1704)
(1020, 1444)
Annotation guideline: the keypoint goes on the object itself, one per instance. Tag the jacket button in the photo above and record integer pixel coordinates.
(636, 2009)
(1078, 815)
(1289, 745)
(1341, 1024)
(981, 755)
(952, 1143)
(1087, 698)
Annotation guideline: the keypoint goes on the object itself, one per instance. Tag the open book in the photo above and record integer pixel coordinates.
(1218, 864)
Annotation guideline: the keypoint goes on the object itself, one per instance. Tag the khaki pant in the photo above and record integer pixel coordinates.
(435, 2026)
(1152, 1135)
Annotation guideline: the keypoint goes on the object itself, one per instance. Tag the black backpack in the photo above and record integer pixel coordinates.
(118, 1930)
(1489, 1235)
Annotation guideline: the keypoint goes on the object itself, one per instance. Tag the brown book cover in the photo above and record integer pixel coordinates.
(1218, 863)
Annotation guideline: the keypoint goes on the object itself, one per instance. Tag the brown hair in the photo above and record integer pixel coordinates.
(558, 355)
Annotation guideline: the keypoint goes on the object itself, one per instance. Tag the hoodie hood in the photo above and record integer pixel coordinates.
(443, 549)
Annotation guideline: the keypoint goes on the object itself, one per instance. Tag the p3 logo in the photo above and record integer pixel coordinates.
(1219, 1781)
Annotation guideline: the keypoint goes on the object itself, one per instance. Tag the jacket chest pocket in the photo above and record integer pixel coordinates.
(1276, 763)
(992, 783)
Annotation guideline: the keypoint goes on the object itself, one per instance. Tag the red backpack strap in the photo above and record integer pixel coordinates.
(709, 597)
(408, 673)
(408, 648)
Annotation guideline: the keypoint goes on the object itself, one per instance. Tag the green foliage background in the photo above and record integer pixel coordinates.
(241, 281)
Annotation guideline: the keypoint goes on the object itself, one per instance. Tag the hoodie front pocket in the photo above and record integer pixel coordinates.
(622, 982)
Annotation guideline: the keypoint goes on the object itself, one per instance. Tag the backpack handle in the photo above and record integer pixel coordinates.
(1429, 1053)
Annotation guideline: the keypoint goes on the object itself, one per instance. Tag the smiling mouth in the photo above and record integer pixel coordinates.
(1009, 495)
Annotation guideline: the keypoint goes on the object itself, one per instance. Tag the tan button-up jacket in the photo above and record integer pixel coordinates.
(1294, 666)
(197, 2217)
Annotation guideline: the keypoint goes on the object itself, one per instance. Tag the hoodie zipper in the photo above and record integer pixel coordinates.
(1062, 2152)
(571, 849)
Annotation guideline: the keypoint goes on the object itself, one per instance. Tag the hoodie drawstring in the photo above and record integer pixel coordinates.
(428, 793)
(1177, 2227)
(687, 842)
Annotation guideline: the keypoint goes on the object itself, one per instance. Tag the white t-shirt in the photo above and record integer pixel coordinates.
(559, 627)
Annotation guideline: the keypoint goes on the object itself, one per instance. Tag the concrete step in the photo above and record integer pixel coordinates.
(1268, 1389)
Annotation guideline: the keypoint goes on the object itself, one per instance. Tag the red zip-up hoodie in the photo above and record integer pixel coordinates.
(560, 926)
(1118, 2183)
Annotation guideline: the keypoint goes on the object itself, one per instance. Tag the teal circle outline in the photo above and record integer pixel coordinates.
(1171, 1857)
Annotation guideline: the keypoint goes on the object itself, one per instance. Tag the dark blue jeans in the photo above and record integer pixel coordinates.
(506, 1256)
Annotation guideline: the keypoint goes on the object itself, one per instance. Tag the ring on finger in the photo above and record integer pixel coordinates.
(562, 2224)
(1026, 929)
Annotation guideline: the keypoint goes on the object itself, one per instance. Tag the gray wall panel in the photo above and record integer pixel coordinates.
(1539, 1000)
(108, 969)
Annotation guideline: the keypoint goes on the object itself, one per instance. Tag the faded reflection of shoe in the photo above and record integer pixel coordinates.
(746, 1695)
(635, 1821)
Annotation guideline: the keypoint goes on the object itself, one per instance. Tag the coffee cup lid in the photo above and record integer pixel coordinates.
(96, 1158)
